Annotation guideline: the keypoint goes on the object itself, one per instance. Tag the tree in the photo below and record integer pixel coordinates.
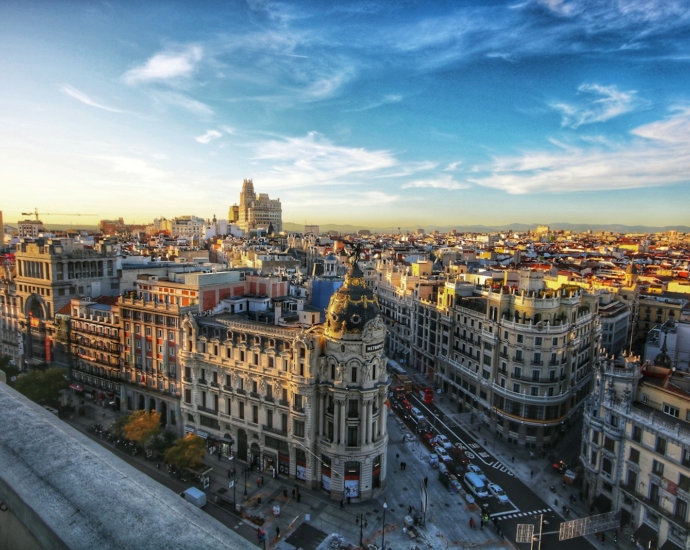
(42, 385)
(186, 452)
(163, 441)
(142, 426)
(118, 425)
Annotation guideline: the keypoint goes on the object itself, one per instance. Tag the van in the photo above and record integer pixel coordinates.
(476, 486)
(416, 415)
(194, 496)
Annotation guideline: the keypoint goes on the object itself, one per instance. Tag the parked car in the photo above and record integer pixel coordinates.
(471, 468)
(560, 467)
(442, 454)
(499, 493)
(444, 442)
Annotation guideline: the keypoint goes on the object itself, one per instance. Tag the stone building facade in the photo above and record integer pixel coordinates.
(306, 399)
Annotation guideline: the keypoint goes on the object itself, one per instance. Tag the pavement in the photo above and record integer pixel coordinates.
(311, 521)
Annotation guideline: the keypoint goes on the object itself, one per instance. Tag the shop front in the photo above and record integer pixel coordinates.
(352, 470)
(270, 462)
(301, 465)
(284, 464)
(326, 473)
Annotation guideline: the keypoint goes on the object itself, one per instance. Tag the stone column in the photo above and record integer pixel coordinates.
(336, 422)
(343, 414)
(363, 408)
(322, 413)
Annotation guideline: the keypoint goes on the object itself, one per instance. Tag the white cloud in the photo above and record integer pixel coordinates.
(388, 99)
(81, 96)
(186, 103)
(208, 137)
(166, 66)
(313, 160)
(609, 103)
(444, 182)
(661, 158)
(453, 166)
(136, 167)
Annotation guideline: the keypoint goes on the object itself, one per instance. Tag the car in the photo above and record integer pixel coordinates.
(455, 484)
(416, 415)
(405, 404)
(429, 439)
(442, 454)
(560, 467)
(459, 455)
(499, 493)
(444, 442)
(477, 471)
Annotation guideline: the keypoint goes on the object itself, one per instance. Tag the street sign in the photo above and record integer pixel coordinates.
(589, 525)
(206, 482)
(231, 484)
(524, 533)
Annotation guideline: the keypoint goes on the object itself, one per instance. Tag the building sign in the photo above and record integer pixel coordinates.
(34, 322)
(284, 465)
(669, 486)
(48, 358)
(373, 347)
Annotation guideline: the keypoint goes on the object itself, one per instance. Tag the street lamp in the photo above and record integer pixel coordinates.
(362, 522)
(383, 534)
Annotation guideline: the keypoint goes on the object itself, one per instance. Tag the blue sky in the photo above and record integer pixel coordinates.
(379, 114)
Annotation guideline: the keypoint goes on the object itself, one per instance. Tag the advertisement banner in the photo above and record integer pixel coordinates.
(326, 480)
(301, 471)
(47, 350)
(351, 488)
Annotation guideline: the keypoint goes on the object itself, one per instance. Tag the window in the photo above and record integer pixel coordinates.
(595, 437)
(516, 388)
(609, 444)
(686, 457)
(284, 422)
(534, 391)
(535, 375)
(241, 415)
(554, 342)
(353, 408)
(634, 455)
(654, 493)
(660, 445)
(671, 410)
(593, 458)
(299, 428)
(636, 434)
(681, 511)
(520, 338)
(352, 436)
(188, 396)
(255, 414)
(537, 341)
(269, 391)
(353, 372)
(658, 468)
(684, 482)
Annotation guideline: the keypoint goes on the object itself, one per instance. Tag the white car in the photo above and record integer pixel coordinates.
(444, 442)
(442, 454)
(499, 493)
(477, 471)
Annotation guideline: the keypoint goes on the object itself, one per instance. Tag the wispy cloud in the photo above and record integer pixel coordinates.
(180, 100)
(314, 160)
(443, 182)
(166, 66)
(208, 137)
(453, 166)
(136, 167)
(660, 155)
(609, 102)
(81, 96)
(388, 99)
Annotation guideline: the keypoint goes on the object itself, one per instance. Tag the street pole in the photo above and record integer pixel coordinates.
(362, 523)
(245, 482)
(383, 534)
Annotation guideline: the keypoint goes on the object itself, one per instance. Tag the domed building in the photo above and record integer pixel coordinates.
(353, 387)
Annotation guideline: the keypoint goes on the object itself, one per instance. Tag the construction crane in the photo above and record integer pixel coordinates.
(35, 213)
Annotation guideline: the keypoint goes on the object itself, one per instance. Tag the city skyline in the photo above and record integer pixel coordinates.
(362, 113)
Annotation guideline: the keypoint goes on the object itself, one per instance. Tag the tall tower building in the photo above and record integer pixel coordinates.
(257, 213)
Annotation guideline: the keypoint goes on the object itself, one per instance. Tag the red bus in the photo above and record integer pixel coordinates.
(426, 395)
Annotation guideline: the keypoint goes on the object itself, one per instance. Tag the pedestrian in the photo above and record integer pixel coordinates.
(258, 482)
(471, 523)
(262, 480)
(158, 465)
(405, 464)
(397, 456)
(402, 465)
(531, 474)
(229, 473)
(293, 493)
(348, 501)
(258, 533)
(409, 510)
(342, 504)
(481, 524)
(277, 532)
(512, 458)
(299, 497)
(426, 482)
(285, 493)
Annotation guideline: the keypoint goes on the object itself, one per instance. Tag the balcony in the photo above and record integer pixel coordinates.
(240, 391)
(658, 508)
(207, 410)
(537, 362)
(298, 409)
(227, 388)
(518, 359)
(273, 430)
(254, 395)
(269, 399)
(215, 384)
(283, 403)
(202, 382)
(503, 355)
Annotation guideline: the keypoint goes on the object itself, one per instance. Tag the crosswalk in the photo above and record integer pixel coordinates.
(503, 516)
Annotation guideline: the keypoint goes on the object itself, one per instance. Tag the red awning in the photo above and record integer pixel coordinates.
(76, 387)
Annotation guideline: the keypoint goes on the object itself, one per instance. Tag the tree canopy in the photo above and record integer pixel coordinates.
(142, 426)
(118, 425)
(186, 452)
(42, 385)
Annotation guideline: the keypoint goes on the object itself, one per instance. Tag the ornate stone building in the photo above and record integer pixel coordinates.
(304, 398)
(256, 212)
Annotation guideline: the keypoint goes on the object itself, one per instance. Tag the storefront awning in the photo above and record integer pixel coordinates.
(202, 433)
(76, 387)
